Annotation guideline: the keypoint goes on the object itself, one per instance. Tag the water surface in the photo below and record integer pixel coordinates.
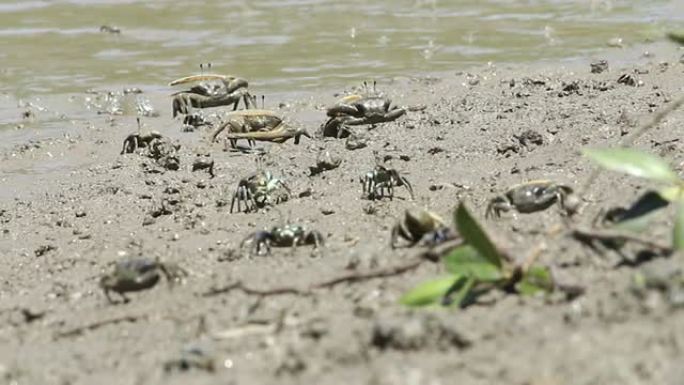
(56, 46)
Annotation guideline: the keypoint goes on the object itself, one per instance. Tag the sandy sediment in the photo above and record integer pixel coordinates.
(72, 206)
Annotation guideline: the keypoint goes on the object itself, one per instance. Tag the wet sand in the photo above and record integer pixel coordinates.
(71, 206)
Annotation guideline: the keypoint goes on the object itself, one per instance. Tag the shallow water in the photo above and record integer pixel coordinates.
(53, 51)
(56, 46)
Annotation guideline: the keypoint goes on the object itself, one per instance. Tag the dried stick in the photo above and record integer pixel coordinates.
(615, 236)
(98, 324)
(657, 118)
(349, 278)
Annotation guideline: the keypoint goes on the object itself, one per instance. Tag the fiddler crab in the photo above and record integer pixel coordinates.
(257, 124)
(369, 107)
(421, 226)
(531, 197)
(138, 274)
(140, 139)
(210, 90)
(203, 162)
(258, 190)
(382, 178)
(282, 236)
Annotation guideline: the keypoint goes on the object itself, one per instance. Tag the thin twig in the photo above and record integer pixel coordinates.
(615, 236)
(380, 273)
(349, 278)
(239, 286)
(98, 324)
(532, 257)
(657, 118)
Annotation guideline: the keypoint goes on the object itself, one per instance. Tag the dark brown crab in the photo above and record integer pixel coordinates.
(132, 275)
(140, 139)
(212, 91)
(382, 178)
(282, 236)
(256, 124)
(154, 146)
(531, 197)
(369, 107)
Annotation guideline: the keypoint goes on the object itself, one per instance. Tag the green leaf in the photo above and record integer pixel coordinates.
(474, 235)
(537, 280)
(676, 36)
(633, 162)
(428, 293)
(678, 233)
(462, 289)
(672, 193)
(468, 262)
(638, 216)
(635, 225)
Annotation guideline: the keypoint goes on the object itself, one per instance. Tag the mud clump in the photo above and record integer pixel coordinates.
(417, 332)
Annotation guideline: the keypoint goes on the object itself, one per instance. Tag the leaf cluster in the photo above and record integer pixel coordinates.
(644, 165)
(475, 268)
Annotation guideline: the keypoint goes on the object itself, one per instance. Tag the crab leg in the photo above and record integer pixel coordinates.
(278, 135)
(408, 186)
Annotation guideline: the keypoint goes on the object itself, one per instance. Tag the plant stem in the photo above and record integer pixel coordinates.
(628, 141)
(607, 235)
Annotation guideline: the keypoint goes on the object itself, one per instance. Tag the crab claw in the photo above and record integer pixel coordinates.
(301, 132)
(197, 78)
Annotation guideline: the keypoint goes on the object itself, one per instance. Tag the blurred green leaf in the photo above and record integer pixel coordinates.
(678, 233)
(633, 162)
(635, 225)
(537, 280)
(430, 292)
(458, 294)
(468, 262)
(676, 36)
(672, 193)
(638, 216)
(474, 235)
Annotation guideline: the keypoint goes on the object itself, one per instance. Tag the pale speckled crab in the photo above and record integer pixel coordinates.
(210, 91)
(530, 197)
(369, 107)
(258, 190)
(282, 236)
(132, 275)
(257, 124)
(421, 226)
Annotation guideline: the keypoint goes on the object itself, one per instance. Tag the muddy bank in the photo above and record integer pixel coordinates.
(72, 205)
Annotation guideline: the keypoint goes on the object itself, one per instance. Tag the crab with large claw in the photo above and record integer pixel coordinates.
(282, 236)
(369, 107)
(421, 226)
(255, 124)
(380, 183)
(531, 197)
(132, 275)
(210, 91)
(259, 190)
